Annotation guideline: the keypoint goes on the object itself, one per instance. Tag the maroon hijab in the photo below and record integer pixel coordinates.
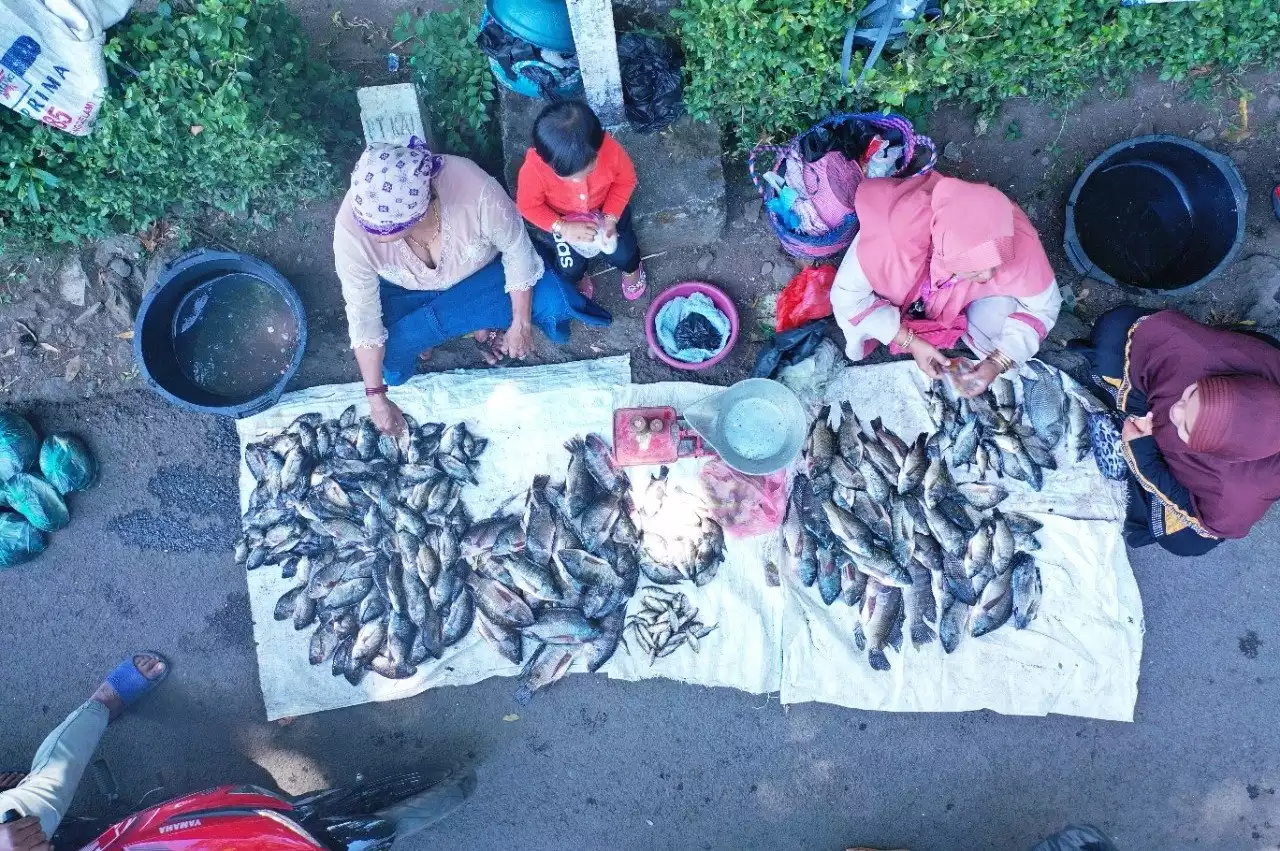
(1233, 471)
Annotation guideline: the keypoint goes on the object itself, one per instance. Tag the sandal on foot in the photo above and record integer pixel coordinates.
(588, 288)
(131, 684)
(633, 286)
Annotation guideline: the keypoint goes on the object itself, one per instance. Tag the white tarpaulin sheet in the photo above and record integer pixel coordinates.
(1080, 656)
(527, 414)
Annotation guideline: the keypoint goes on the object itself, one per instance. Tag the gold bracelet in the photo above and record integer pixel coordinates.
(1001, 360)
(911, 338)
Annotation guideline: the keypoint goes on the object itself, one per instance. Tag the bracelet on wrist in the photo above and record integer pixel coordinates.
(380, 390)
(1002, 361)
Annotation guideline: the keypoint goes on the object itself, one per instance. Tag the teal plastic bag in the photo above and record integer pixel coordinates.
(19, 541)
(19, 445)
(66, 464)
(36, 500)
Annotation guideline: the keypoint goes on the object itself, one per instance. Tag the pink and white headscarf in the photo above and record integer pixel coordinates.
(393, 186)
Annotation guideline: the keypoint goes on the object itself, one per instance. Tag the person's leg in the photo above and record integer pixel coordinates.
(1137, 521)
(1187, 542)
(626, 257)
(986, 322)
(556, 303)
(427, 319)
(407, 337)
(1110, 337)
(49, 787)
(559, 255)
(60, 762)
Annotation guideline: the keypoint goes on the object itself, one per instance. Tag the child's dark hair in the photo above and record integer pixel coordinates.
(568, 136)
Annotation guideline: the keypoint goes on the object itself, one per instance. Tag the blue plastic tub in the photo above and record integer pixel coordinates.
(220, 333)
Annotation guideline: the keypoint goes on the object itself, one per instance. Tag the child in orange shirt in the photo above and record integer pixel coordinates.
(574, 187)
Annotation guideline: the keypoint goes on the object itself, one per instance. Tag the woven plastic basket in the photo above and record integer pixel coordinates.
(839, 237)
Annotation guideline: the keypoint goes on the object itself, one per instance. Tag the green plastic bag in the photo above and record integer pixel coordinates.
(36, 500)
(19, 541)
(19, 445)
(66, 464)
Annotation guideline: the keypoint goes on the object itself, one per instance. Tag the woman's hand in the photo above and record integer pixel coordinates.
(928, 358)
(386, 416)
(23, 835)
(977, 380)
(580, 232)
(1136, 427)
(518, 341)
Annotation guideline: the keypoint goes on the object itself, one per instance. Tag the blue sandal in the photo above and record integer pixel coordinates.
(131, 684)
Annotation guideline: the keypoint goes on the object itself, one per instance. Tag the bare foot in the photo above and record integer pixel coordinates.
(425, 357)
(149, 666)
(11, 779)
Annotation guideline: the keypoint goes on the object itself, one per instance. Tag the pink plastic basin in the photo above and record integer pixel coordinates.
(688, 288)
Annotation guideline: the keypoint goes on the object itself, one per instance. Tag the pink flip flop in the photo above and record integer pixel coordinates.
(635, 289)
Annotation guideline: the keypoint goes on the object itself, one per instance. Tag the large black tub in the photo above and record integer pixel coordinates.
(1156, 215)
(220, 333)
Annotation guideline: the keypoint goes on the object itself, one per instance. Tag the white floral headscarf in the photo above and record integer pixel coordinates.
(393, 186)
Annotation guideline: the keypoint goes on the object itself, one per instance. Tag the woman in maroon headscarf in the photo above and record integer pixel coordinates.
(1202, 436)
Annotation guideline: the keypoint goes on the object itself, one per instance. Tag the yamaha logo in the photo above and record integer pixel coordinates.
(180, 825)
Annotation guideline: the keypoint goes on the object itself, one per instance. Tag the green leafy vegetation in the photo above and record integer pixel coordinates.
(446, 62)
(769, 68)
(212, 105)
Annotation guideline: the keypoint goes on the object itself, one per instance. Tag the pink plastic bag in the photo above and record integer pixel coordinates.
(744, 505)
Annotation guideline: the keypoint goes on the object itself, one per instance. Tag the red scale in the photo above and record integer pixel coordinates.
(654, 436)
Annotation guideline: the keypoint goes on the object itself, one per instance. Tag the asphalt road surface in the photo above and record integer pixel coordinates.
(595, 764)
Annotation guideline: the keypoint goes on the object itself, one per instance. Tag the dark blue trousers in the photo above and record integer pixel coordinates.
(417, 320)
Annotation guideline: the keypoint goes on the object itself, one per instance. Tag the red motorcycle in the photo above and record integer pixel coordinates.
(362, 817)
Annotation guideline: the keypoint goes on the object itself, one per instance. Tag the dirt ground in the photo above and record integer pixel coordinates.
(51, 350)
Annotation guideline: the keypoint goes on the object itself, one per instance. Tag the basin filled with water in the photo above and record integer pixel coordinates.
(1156, 215)
(221, 333)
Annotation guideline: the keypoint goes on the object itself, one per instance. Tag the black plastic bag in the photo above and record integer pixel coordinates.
(510, 51)
(695, 331)
(496, 43)
(652, 81)
(851, 138)
(790, 347)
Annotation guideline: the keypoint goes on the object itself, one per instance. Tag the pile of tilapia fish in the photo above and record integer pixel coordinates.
(563, 572)
(389, 569)
(884, 526)
(374, 534)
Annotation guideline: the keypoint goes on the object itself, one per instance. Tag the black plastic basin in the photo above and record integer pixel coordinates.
(220, 333)
(1156, 214)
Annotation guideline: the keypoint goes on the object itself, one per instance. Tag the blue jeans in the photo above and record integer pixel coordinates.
(417, 320)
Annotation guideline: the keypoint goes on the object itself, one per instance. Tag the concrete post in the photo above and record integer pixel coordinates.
(597, 46)
(392, 115)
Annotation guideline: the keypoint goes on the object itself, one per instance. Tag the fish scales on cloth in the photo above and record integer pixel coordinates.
(944, 553)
